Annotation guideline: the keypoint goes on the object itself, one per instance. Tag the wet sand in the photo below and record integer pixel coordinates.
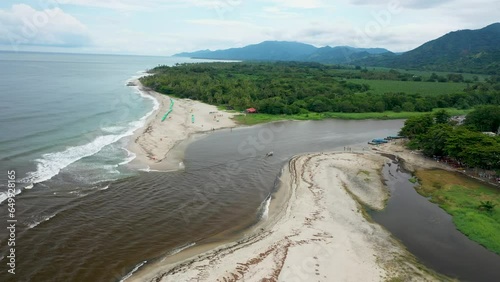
(153, 143)
(413, 160)
(316, 230)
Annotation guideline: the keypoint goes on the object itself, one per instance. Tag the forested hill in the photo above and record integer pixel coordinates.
(476, 51)
(287, 51)
(470, 51)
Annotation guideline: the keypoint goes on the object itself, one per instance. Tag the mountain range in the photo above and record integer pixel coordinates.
(287, 51)
(476, 51)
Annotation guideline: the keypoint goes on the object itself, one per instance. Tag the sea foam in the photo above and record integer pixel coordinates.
(130, 157)
(133, 271)
(264, 210)
(49, 165)
(36, 223)
(113, 129)
(181, 248)
(4, 195)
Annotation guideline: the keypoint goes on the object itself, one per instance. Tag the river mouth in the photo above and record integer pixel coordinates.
(428, 232)
(106, 234)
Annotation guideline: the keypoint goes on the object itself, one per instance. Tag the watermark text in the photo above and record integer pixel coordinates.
(11, 221)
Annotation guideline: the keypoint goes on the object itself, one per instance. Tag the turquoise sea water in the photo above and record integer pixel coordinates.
(64, 117)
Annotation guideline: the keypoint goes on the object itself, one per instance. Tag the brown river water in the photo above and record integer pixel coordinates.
(107, 232)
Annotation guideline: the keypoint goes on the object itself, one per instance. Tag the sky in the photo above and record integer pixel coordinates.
(166, 27)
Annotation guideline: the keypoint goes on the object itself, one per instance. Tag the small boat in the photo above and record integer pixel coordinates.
(270, 154)
(30, 186)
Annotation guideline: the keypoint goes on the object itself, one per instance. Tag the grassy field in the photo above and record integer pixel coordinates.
(461, 196)
(412, 87)
(251, 119)
(425, 74)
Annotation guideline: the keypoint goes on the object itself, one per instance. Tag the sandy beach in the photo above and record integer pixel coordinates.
(412, 160)
(154, 142)
(316, 231)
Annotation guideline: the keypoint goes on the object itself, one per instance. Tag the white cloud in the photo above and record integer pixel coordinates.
(217, 34)
(274, 12)
(23, 25)
(170, 26)
(134, 5)
(121, 5)
(221, 23)
(411, 4)
(301, 4)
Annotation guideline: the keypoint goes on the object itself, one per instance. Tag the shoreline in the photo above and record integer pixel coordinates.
(160, 146)
(417, 160)
(323, 236)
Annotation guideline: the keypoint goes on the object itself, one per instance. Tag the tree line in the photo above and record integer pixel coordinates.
(295, 88)
(392, 74)
(435, 135)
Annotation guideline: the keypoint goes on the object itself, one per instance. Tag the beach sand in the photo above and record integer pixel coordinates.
(153, 143)
(412, 160)
(316, 231)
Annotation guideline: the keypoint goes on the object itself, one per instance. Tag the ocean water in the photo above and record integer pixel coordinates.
(64, 117)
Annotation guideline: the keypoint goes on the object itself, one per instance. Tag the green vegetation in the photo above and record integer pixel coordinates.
(485, 119)
(460, 143)
(251, 119)
(305, 90)
(413, 180)
(471, 204)
(412, 87)
(487, 206)
(385, 74)
(473, 51)
(468, 77)
(365, 172)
